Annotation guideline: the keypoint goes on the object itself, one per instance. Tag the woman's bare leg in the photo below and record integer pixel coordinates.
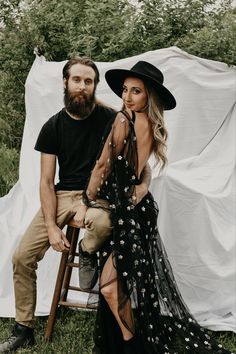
(109, 290)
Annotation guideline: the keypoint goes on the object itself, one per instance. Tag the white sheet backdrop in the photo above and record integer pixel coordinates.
(196, 194)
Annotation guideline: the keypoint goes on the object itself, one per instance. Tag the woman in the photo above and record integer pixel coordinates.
(141, 309)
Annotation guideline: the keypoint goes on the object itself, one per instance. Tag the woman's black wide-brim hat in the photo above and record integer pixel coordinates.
(148, 73)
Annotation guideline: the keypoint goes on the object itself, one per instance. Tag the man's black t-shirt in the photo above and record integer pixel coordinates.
(75, 143)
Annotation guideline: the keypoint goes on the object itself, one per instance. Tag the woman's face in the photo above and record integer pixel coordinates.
(134, 94)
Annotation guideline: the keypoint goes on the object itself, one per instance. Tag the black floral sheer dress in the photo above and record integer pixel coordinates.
(143, 273)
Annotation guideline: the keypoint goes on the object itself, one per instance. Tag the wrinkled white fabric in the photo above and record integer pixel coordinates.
(195, 193)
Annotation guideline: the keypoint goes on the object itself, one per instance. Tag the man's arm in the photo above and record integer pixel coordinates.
(142, 189)
(48, 199)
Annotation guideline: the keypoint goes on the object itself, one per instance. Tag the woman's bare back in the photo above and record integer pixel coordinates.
(144, 136)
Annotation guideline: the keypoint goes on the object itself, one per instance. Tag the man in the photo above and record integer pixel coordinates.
(72, 137)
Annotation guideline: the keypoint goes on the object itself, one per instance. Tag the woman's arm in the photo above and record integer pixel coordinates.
(113, 146)
(142, 188)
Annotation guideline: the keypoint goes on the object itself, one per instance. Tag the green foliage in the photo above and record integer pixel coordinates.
(215, 41)
(201, 27)
(106, 30)
(9, 161)
(104, 33)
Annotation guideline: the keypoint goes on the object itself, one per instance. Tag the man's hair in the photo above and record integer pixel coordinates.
(80, 60)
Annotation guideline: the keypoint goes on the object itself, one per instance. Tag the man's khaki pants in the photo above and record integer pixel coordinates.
(35, 243)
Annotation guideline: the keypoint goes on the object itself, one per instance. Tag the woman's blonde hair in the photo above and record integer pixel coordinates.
(155, 111)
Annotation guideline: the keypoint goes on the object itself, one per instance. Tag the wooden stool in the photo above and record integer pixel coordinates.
(63, 279)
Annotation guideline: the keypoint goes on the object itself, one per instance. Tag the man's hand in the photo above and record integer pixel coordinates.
(79, 217)
(140, 192)
(57, 239)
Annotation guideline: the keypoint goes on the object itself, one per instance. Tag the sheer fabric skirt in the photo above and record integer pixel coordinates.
(135, 264)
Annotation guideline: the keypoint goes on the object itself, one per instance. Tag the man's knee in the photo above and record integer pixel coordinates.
(18, 258)
(99, 222)
(24, 257)
(99, 228)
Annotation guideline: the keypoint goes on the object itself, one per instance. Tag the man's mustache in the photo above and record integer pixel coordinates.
(79, 95)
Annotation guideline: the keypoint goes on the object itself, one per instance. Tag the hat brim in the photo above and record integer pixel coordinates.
(116, 77)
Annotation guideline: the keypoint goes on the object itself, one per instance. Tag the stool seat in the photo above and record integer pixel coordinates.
(62, 285)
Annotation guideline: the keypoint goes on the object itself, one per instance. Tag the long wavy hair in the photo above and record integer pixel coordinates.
(155, 112)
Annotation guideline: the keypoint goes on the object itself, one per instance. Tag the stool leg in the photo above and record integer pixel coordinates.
(57, 290)
(74, 242)
(56, 296)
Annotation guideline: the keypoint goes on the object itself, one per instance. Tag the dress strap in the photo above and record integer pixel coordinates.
(126, 114)
(133, 116)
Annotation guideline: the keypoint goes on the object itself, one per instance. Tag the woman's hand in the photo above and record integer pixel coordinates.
(79, 217)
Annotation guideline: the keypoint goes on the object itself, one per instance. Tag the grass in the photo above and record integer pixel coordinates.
(73, 334)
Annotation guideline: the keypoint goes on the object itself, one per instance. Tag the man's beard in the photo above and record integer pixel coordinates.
(79, 104)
